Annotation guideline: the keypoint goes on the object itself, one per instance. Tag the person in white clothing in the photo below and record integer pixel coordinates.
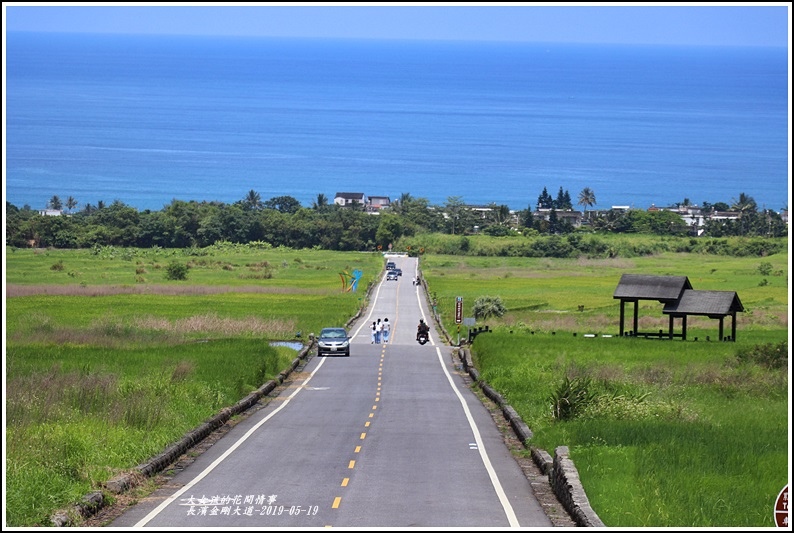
(386, 331)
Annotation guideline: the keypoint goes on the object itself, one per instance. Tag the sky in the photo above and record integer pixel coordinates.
(732, 24)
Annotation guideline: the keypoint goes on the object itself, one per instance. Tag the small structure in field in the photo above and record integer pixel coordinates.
(680, 300)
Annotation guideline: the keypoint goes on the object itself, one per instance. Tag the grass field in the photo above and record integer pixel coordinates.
(108, 361)
(669, 433)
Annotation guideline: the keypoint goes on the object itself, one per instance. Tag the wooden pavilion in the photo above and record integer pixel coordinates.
(713, 304)
(679, 300)
(635, 287)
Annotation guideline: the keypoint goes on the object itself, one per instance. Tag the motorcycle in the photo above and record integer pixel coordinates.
(423, 337)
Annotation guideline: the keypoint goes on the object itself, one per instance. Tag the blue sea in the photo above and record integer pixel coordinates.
(151, 119)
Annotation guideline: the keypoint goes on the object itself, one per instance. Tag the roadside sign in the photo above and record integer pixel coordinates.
(458, 310)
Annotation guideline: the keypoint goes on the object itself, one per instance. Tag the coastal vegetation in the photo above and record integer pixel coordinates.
(283, 221)
(105, 344)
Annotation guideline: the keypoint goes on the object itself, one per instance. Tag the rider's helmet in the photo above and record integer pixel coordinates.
(421, 320)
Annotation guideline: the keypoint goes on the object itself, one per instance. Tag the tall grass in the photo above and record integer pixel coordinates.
(76, 415)
(664, 433)
(108, 362)
(676, 434)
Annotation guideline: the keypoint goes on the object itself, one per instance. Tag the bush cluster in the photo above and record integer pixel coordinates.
(769, 355)
(176, 271)
(572, 397)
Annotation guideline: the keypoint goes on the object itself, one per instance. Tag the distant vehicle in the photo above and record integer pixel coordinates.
(333, 341)
(392, 274)
(399, 271)
(391, 265)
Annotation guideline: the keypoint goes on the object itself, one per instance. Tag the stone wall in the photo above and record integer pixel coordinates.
(563, 476)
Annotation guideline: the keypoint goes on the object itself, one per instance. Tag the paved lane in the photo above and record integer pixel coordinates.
(388, 437)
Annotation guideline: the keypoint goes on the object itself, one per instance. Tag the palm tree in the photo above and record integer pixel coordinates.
(744, 205)
(587, 198)
(55, 203)
(499, 214)
(454, 208)
(253, 200)
(405, 198)
(399, 206)
(71, 203)
(320, 203)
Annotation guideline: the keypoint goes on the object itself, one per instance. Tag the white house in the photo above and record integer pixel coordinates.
(346, 199)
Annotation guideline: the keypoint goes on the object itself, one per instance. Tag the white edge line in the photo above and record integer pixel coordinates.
(225, 454)
(511, 516)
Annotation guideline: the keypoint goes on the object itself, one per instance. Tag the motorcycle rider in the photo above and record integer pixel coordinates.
(421, 328)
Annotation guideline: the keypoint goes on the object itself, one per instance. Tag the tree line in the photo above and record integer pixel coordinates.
(283, 221)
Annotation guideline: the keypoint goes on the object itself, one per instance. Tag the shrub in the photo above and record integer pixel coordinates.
(770, 355)
(765, 268)
(176, 271)
(487, 306)
(571, 398)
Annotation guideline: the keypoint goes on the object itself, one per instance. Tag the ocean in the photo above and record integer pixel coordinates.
(146, 120)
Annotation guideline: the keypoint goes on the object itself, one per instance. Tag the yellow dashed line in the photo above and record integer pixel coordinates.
(352, 463)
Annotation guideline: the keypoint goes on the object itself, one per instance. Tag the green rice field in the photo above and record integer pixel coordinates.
(102, 350)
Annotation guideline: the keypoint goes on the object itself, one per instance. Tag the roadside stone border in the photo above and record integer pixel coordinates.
(562, 473)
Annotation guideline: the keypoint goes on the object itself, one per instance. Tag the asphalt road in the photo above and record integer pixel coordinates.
(389, 437)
